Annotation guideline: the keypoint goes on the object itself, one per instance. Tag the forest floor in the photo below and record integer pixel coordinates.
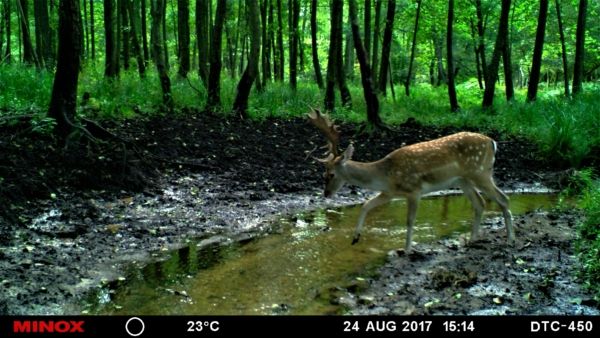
(70, 217)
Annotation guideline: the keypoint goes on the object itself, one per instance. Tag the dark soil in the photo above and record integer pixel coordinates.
(67, 215)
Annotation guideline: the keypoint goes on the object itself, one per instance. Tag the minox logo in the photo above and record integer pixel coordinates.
(48, 326)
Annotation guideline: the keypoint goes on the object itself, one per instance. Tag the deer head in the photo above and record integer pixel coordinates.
(334, 162)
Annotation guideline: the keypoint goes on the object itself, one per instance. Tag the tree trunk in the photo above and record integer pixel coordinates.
(64, 90)
(126, 34)
(165, 49)
(315, 51)
(561, 33)
(481, 34)
(145, 34)
(42, 33)
(507, 65)
(6, 14)
(477, 59)
(491, 75)
(280, 57)
(183, 29)
(348, 53)
(579, 48)
(134, 40)
(294, 41)
(387, 44)
(158, 10)
(340, 75)
(365, 70)
(266, 44)
(412, 50)
(214, 75)
(450, 59)
(110, 68)
(376, 35)
(367, 25)
(248, 77)
(29, 56)
(438, 48)
(202, 24)
(536, 63)
(92, 30)
(329, 102)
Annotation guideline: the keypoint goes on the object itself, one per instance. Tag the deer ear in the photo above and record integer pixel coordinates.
(347, 155)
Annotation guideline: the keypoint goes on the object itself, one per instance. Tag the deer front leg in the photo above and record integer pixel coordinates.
(412, 205)
(370, 204)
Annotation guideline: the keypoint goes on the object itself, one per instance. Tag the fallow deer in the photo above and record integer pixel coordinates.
(463, 159)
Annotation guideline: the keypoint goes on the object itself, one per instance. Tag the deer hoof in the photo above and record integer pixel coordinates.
(355, 239)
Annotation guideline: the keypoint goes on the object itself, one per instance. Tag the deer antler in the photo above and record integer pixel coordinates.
(330, 130)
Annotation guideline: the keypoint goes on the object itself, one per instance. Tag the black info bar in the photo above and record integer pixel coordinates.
(350, 326)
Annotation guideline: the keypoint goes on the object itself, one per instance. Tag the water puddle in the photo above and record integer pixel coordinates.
(292, 270)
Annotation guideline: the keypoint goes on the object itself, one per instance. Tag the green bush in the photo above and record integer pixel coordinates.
(588, 242)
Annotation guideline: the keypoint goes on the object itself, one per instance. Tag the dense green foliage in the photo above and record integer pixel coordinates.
(588, 243)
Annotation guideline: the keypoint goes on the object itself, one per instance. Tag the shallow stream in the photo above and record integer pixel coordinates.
(295, 268)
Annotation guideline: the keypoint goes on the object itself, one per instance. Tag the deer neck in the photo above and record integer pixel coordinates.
(368, 175)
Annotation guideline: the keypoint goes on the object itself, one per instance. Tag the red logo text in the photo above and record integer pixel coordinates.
(48, 326)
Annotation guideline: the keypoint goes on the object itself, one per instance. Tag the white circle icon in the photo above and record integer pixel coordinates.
(132, 333)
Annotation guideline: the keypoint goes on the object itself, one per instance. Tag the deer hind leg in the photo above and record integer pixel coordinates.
(478, 205)
(412, 203)
(370, 204)
(492, 191)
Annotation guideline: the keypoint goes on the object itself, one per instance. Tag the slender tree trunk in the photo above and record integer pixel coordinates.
(477, 59)
(158, 11)
(365, 70)
(491, 75)
(561, 33)
(438, 47)
(536, 63)
(92, 31)
(118, 42)
(329, 102)
(214, 75)
(165, 48)
(348, 53)
(271, 39)
(281, 62)
(202, 24)
(579, 48)
(110, 69)
(340, 75)
(29, 56)
(367, 26)
(412, 50)
(248, 77)
(64, 90)
(481, 34)
(315, 50)
(266, 44)
(126, 33)
(145, 34)
(387, 43)
(85, 29)
(42, 33)
(376, 36)
(183, 27)
(134, 40)
(507, 65)
(6, 13)
(294, 41)
(450, 59)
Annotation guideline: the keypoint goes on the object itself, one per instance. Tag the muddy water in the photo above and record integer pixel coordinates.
(296, 269)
